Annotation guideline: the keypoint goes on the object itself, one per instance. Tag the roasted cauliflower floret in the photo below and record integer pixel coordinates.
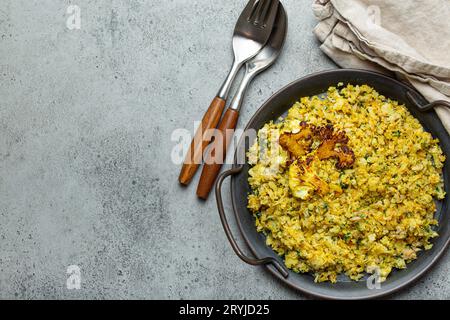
(344, 155)
(303, 181)
(331, 144)
(298, 144)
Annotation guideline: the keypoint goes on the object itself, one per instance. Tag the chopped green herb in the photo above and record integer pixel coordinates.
(344, 185)
(347, 236)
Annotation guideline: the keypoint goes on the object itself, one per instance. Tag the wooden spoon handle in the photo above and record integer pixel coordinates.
(214, 163)
(199, 143)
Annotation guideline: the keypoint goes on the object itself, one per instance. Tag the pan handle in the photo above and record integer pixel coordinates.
(426, 107)
(268, 260)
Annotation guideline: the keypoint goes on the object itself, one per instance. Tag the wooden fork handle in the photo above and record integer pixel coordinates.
(212, 168)
(199, 143)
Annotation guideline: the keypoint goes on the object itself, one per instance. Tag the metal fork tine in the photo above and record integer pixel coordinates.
(257, 11)
(263, 12)
(249, 9)
(272, 11)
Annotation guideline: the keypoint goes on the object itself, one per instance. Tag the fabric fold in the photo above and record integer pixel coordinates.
(408, 39)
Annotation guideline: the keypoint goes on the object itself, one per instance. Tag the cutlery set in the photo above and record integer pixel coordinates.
(257, 42)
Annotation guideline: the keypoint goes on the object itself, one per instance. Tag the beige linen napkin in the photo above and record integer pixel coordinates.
(409, 38)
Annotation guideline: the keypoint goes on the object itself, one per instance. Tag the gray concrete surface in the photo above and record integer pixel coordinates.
(86, 177)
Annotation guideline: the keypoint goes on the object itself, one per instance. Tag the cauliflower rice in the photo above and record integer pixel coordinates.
(373, 215)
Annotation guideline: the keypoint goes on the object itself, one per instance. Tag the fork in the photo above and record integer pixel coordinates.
(251, 33)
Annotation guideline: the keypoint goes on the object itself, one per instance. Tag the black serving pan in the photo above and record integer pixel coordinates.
(277, 106)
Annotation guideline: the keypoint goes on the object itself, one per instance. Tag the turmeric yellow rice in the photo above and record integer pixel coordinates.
(374, 212)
